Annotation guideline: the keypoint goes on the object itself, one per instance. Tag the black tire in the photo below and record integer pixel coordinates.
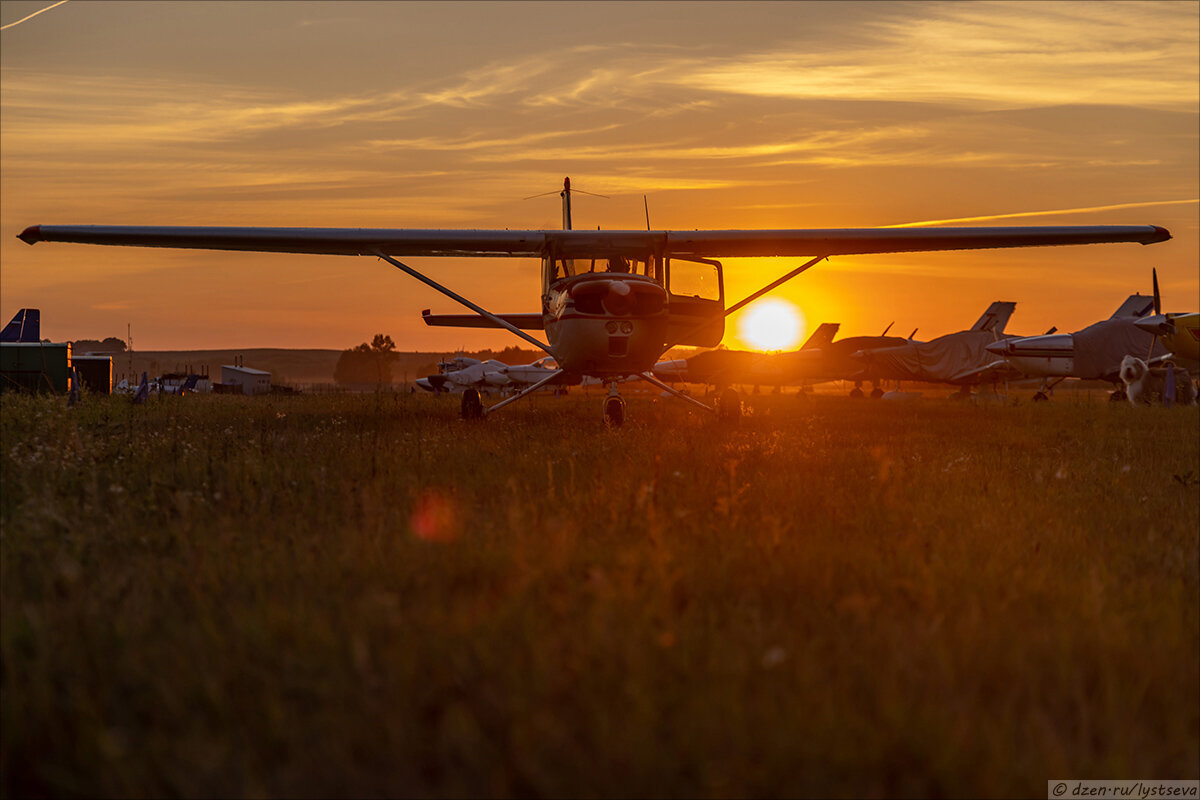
(614, 411)
(1040, 397)
(876, 393)
(856, 393)
(472, 406)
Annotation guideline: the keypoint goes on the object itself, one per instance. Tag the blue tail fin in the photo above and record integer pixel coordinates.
(26, 326)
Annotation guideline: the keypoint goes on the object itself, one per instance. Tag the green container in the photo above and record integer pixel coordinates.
(35, 366)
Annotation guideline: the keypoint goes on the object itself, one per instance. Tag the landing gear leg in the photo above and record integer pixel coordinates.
(472, 406)
(614, 407)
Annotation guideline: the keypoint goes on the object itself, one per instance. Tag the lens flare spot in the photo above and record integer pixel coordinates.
(774, 324)
(433, 518)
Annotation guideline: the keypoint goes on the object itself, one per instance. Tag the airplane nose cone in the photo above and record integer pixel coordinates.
(1157, 324)
(619, 299)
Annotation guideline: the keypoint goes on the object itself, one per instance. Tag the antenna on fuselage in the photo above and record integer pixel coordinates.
(566, 196)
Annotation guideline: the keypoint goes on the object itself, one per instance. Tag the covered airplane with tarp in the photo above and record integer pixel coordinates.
(959, 358)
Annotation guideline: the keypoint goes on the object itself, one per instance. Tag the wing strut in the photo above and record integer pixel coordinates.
(500, 323)
(646, 376)
(746, 301)
(773, 284)
(527, 390)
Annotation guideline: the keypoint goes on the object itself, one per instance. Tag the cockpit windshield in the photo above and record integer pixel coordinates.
(558, 268)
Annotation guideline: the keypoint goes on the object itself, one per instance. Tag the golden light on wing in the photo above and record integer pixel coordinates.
(771, 324)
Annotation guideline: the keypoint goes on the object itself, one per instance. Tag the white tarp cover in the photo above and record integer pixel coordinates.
(1099, 348)
(953, 358)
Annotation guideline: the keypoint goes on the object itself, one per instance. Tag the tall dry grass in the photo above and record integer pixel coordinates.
(365, 595)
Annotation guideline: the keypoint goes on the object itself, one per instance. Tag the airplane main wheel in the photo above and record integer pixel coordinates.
(1040, 397)
(472, 406)
(614, 411)
(876, 393)
(1118, 396)
(729, 405)
(856, 392)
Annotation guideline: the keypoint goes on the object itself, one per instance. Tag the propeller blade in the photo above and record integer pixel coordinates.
(1157, 299)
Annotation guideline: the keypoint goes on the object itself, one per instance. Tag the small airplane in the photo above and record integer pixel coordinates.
(25, 326)
(1092, 353)
(723, 368)
(819, 359)
(612, 302)
(1178, 332)
(462, 373)
(959, 358)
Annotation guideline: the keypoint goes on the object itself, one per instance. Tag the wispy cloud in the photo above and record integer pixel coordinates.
(31, 16)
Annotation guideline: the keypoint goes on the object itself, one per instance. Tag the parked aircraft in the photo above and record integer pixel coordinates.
(612, 302)
(1178, 332)
(25, 326)
(820, 359)
(463, 373)
(959, 358)
(1092, 353)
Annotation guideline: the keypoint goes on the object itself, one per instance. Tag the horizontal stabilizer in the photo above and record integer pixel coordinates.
(527, 322)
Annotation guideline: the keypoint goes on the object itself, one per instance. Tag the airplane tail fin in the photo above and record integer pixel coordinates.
(1136, 305)
(143, 391)
(996, 317)
(25, 326)
(822, 336)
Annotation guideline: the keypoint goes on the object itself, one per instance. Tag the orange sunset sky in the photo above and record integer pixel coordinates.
(446, 115)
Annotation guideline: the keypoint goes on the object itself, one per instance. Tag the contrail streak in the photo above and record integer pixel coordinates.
(1045, 213)
(31, 16)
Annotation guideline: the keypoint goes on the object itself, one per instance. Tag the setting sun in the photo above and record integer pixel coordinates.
(773, 324)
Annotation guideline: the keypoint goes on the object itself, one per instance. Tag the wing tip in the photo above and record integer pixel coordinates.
(1161, 234)
(31, 235)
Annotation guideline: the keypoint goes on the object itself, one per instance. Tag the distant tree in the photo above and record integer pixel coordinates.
(110, 345)
(367, 363)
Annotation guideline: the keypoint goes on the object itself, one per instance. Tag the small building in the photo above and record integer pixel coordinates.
(252, 381)
(35, 366)
(95, 372)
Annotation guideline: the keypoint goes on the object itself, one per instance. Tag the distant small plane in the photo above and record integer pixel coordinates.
(612, 302)
(463, 373)
(1096, 352)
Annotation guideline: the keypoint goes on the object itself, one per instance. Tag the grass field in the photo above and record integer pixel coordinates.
(364, 595)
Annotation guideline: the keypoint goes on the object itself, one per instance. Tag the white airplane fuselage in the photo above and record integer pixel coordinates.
(1051, 356)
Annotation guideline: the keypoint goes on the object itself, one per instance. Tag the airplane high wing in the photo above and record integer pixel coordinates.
(588, 244)
(612, 302)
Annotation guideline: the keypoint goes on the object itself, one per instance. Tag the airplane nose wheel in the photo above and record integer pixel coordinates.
(614, 411)
(472, 406)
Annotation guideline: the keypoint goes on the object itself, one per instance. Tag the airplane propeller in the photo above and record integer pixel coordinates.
(1157, 324)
